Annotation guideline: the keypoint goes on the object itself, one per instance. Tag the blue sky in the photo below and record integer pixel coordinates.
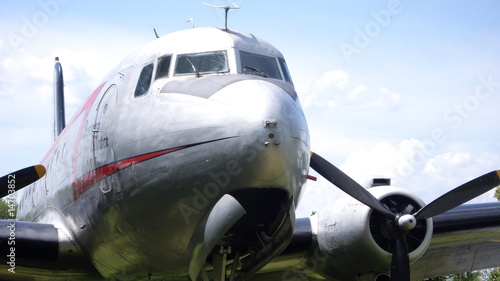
(404, 89)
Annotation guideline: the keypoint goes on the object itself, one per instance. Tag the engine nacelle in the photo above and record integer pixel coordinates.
(358, 242)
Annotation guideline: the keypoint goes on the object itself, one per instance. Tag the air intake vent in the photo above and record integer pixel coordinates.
(380, 181)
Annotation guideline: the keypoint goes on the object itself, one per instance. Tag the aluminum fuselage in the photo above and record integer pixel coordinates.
(132, 177)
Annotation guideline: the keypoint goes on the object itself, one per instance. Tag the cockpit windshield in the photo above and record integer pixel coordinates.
(201, 63)
(259, 65)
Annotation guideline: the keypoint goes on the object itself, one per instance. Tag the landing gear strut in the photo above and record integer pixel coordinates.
(219, 260)
(220, 263)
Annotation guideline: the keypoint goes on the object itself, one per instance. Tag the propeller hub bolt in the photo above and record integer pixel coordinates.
(407, 222)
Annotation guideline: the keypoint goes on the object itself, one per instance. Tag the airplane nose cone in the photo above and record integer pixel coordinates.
(263, 104)
(272, 127)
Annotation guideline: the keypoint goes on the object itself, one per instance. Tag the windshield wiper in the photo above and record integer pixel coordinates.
(254, 71)
(194, 68)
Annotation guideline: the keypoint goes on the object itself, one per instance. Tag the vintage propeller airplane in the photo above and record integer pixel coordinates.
(187, 163)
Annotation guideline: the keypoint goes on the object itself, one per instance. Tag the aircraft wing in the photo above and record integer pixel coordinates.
(465, 238)
(36, 251)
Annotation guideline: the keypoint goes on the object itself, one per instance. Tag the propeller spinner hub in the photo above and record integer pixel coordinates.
(407, 222)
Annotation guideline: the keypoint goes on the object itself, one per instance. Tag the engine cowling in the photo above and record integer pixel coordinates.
(357, 241)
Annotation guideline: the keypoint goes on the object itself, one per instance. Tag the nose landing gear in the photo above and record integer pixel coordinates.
(220, 267)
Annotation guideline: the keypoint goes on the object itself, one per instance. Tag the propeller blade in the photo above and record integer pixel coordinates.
(20, 179)
(347, 184)
(460, 195)
(400, 264)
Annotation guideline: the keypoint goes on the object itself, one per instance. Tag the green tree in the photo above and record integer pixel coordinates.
(466, 276)
(494, 274)
(442, 278)
(4, 210)
(7, 212)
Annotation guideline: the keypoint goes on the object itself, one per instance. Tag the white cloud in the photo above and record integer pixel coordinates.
(26, 83)
(387, 98)
(22, 137)
(76, 64)
(355, 93)
(336, 88)
(325, 87)
(435, 165)
(412, 162)
(336, 78)
(409, 165)
(382, 161)
(450, 170)
(21, 71)
(397, 162)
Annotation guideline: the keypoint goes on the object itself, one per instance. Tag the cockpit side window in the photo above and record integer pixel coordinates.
(163, 66)
(259, 65)
(201, 63)
(144, 80)
(284, 69)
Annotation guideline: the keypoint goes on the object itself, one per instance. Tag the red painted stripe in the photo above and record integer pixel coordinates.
(85, 106)
(82, 184)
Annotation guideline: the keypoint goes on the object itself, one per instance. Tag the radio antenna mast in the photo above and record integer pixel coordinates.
(191, 20)
(226, 9)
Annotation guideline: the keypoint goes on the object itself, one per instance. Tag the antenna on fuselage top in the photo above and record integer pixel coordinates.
(226, 9)
(191, 20)
(156, 33)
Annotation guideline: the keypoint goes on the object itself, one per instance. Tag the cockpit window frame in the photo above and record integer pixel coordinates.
(196, 68)
(163, 62)
(145, 80)
(284, 70)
